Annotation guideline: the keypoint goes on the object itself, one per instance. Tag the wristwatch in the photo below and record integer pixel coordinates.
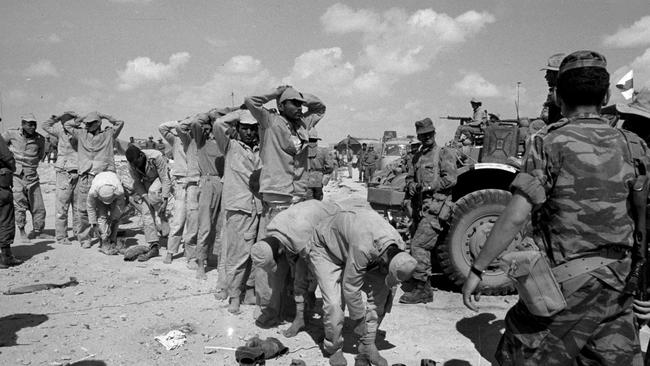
(477, 272)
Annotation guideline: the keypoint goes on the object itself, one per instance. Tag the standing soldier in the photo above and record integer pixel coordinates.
(284, 154)
(106, 205)
(361, 157)
(355, 252)
(7, 218)
(370, 160)
(152, 185)
(150, 143)
(320, 164)
(210, 163)
(550, 111)
(28, 147)
(95, 154)
(430, 182)
(66, 167)
(241, 199)
(574, 183)
(479, 114)
(185, 177)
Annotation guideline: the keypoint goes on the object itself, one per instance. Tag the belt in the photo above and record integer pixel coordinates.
(591, 262)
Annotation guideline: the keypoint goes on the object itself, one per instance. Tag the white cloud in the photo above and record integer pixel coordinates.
(638, 34)
(81, 104)
(142, 70)
(400, 43)
(475, 85)
(242, 75)
(41, 68)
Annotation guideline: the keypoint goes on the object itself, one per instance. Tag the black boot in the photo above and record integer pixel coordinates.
(420, 294)
(7, 259)
(153, 252)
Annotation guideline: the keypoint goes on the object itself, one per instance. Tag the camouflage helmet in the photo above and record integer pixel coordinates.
(580, 59)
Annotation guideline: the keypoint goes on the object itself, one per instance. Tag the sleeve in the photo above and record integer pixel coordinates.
(92, 204)
(192, 127)
(255, 105)
(163, 175)
(221, 128)
(50, 126)
(355, 269)
(73, 127)
(117, 124)
(448, 171)
(138, 187)
(533, 181)
(315, 110)
(6, 157)
(168, 131)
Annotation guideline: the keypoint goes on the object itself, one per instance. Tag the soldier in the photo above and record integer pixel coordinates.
(288, 233)
(67, 176)
(28, 147)
(479, 114)
(284, 154)
(106, 205)
(210, 162)
(47, 147)
(185, 178)
(7, 218)
(575, 173)
(95, 154)
(361, 157)
(370, 160)
(353, 252)
(550, 111)
(430, 182)
(152, 186)
(150, 144)
(319, 165)
(241, 199)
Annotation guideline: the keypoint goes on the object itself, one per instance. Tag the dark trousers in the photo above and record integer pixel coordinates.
(7, 217)
(315, 193)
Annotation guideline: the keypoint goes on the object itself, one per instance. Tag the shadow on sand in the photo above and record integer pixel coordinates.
(484, 331)
(12, 324)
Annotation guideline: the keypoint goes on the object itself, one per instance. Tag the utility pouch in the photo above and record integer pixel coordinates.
(538, 289)
(446, 209)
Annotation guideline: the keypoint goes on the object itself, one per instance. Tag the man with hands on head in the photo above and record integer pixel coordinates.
(95, 154)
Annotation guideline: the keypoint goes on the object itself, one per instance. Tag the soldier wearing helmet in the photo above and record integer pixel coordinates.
(575, 173)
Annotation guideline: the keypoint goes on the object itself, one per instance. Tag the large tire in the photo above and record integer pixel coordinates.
(473, 218)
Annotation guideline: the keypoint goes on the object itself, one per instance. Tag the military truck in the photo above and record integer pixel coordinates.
(489, 158)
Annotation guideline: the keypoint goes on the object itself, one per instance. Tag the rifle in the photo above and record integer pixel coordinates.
(636, 283)
(462, 120)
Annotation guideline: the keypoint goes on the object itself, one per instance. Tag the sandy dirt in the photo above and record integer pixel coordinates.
(118, 308)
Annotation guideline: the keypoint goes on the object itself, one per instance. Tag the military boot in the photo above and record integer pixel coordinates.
(107, 247)
(7, 259)
(420, 294)
(153, 252)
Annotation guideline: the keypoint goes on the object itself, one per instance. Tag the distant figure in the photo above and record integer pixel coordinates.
(160, 145)
(479, 114)
(360, 162)
(370, 160)
(550, 111)
(131, 141)
(46, 148)
(28, 147)
(319, 165)
(150, 144)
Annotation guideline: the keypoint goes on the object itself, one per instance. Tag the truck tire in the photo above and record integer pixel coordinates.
(472, 220)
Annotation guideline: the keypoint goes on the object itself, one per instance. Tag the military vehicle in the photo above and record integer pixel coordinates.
(489, 157)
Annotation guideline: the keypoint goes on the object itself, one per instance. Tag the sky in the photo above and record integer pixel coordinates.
(377, 65)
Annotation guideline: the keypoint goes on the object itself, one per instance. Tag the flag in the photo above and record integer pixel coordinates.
(626, 85)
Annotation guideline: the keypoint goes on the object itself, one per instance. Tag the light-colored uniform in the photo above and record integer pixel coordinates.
(154, 181)
(67, 176)
(94, 155)
(184, 223)
(106, 216)
(242, 202)
(343, 256)
(28, 152)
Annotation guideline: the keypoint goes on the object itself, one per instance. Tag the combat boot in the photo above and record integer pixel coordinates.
(7, 259)
(107, 248)
(298, 323)
(420, 294)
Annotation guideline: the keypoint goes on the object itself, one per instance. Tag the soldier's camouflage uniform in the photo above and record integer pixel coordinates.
(434, 172)
(576, 174)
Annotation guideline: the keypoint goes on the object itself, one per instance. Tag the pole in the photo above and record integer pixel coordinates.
(232, 98)
(517, 104)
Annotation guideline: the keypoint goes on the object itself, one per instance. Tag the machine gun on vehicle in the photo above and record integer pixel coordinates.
(462, 120)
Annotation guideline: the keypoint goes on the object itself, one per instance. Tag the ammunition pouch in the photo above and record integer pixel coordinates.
(539, 286)
(440, 205)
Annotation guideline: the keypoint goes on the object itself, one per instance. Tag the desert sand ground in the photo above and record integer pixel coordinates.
(113, 315)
